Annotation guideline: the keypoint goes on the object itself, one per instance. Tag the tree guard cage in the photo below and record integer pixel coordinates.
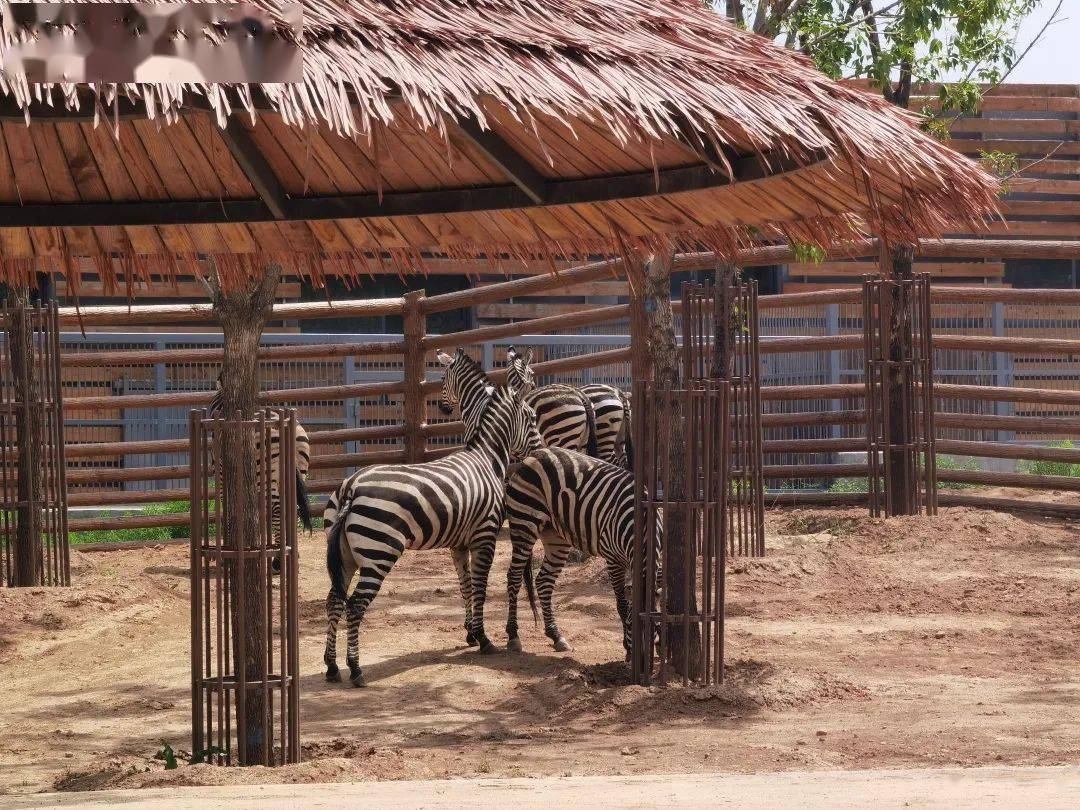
(681, 480)
(33, 516)
(897, 342)
(245, 691)
(720, 341)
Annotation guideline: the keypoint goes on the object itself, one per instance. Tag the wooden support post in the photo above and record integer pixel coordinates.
(896, 266)
(640, 365)
(28, 418)
(415, 329)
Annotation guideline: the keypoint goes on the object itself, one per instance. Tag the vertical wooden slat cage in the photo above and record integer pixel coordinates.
(897, 341)
(244, 614)
(720, 341)
(682, 481)
(33, 516)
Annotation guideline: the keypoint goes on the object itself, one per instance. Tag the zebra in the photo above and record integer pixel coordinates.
(589, 505)
(455, 502)
(303, 465)
(593, 419)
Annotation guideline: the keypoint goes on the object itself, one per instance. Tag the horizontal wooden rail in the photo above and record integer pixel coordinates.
(533, 285)
(160, 314)
(119, 522)
(1036, 424)
(809, 343)
(313, 351)
(793, 392)
(846, 295)
(129, 497)
(115, 475)
(793, 471)
(815, 498)
(996, 478)
(1018, 345)
(1003, 450)
(534, 326)
(335, 460)
(813, 445)
(927, 249)
(810, 418)
(194, 398)
(1043, 396)
(97, 449)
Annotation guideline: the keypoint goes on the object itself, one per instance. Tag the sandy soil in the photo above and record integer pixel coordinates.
(856, 643)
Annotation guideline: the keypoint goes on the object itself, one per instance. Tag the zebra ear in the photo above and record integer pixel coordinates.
(444, 358)
(511, 354)
(528, 356)
(489, 391)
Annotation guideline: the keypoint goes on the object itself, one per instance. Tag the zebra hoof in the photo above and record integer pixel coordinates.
(333, 675)
(514, 645)
(470, 640)
(487, 648)
(562, 645)
(357, 680)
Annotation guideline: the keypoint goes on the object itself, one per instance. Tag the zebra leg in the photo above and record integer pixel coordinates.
(335, 609)
(555, 556)
(523, 534)
(461, 565)
(617, 576)
(373, 571)
(481, 553)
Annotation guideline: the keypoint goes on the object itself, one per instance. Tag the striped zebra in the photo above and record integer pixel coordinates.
(303, 464)
(589, 505)
(587, 418)
(455, 502)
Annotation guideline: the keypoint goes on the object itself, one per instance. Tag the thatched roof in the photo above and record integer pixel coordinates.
(524, 127)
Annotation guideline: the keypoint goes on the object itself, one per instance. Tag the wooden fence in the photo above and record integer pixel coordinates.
(810, 424)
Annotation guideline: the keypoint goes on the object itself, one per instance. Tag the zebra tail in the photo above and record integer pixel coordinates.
(335, 565)
(628, 433)
(303, 505)
(530, 590)
(590, 425)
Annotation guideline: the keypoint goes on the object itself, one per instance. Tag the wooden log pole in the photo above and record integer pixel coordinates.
(414, 328)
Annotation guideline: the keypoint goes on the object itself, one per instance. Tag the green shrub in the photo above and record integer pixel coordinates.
(1069, 468)
(943, 463)
(156, 534)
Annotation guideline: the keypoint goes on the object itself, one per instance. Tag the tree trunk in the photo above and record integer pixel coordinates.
(242, 315)
(29, 429)
(684, 648)
(902, 477)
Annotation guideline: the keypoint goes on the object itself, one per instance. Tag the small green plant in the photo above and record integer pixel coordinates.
(807, 254)
(167, 755)
(1004, 165)
(1042, 467)
(950, 463)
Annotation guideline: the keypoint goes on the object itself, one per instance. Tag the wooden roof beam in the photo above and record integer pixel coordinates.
(255, 167)
(510, 162)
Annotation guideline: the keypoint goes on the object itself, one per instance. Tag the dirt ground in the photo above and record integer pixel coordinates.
(855, 643)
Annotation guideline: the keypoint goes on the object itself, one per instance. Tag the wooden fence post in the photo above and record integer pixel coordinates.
(640, 365)
(414, 328)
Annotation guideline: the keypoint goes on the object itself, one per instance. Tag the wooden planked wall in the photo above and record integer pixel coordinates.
(1040, 124)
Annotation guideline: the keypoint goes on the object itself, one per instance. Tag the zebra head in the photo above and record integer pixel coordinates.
(503, 423)
(519, 374)
(525, 437)
(463, 384)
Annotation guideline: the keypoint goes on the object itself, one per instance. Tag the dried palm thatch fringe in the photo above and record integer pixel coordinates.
(640, 69)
